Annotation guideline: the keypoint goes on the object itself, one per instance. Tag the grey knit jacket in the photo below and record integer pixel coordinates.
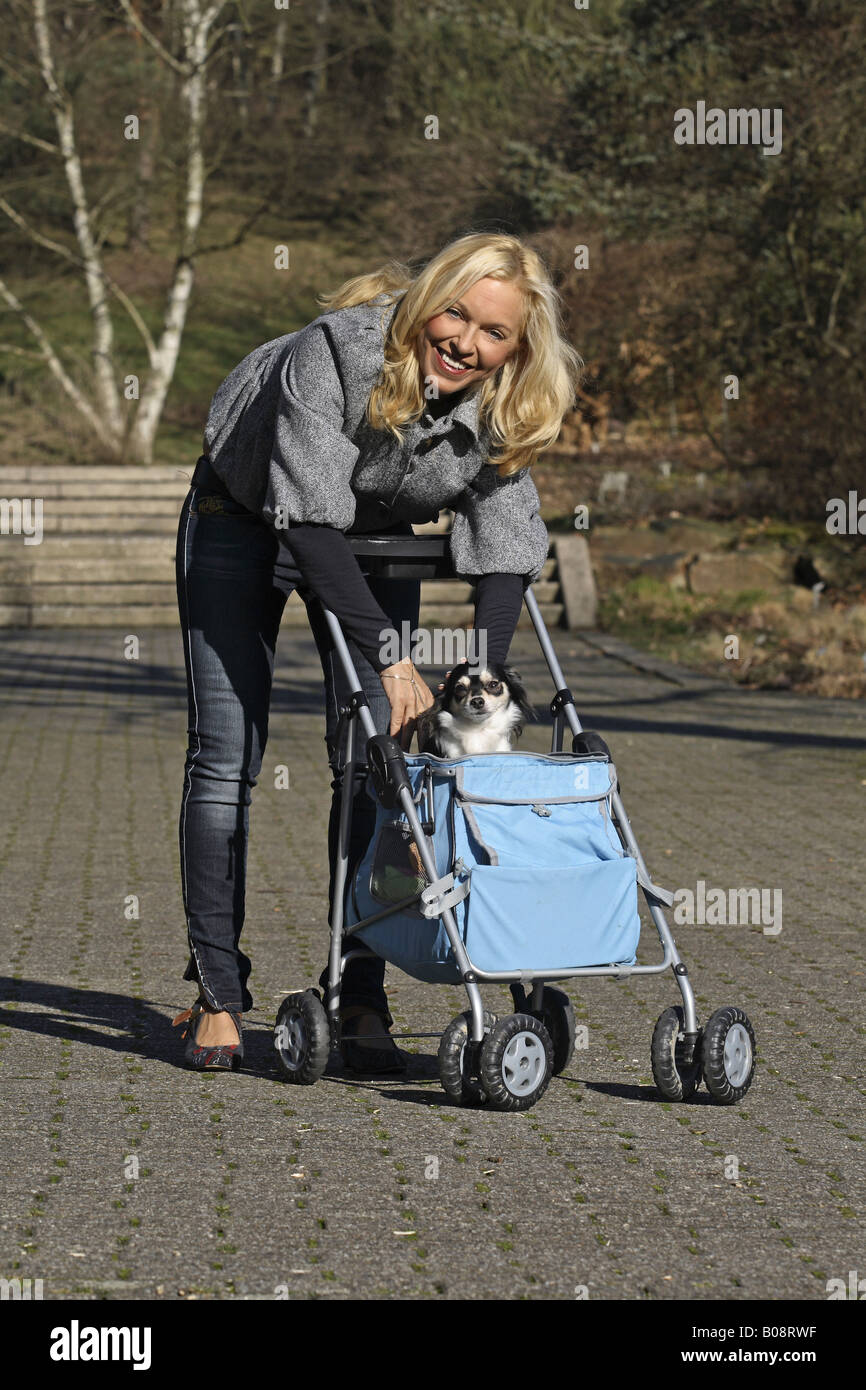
(286, 430)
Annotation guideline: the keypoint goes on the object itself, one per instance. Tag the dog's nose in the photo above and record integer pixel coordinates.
(477, 702)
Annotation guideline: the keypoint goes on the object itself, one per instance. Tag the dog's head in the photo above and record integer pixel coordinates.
(473, 695)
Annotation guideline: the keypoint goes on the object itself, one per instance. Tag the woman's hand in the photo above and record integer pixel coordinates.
(409, 697)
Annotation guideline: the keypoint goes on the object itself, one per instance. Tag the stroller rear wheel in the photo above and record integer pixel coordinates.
(460, 1079)
(516, 1062)
(557, 1015)
(302, 1038)
(676, 1079)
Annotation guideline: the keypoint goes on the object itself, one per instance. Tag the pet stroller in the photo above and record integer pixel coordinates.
(516, 867)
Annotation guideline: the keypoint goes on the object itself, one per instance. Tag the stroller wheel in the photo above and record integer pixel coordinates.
(460, 1079)
(557, 1015)
(674, 1078)
(516, 1062)
(728, 1055)
(302, 1038)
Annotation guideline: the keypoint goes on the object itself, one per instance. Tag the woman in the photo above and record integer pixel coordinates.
(407, 395)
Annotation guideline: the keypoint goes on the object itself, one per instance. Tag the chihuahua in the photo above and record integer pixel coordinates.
(481, 710)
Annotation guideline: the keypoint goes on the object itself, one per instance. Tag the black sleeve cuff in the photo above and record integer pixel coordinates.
(498, 601)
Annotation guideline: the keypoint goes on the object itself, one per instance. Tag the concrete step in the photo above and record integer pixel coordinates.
(134, 615)
(132, 488)
(85, 547)
(115, 512)
(92, 571)
(126, 526)
(130, 617)
(113, 474)
(88, 595)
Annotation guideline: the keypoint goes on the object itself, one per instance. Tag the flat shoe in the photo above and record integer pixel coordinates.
(226, 1057)
(373, 1061)
(386, 1060)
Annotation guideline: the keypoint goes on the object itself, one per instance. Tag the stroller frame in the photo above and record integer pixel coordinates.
(563, 710)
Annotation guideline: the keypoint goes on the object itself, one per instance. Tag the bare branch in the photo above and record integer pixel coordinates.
(837, 288)
(56, 366)
(77, 261)
(239, 235)
(798, 279)
(14, 73)
(30, 139)
(177, 64)
(20, 351)
(711, 436)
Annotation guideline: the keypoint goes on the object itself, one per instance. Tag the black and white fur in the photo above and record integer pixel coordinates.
(481, 710)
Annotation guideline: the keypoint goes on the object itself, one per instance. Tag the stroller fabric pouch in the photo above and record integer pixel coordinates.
(543, 881)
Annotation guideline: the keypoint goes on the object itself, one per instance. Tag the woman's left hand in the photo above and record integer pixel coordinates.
(409, 695)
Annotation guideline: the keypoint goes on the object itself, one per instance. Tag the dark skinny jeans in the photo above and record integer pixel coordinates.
(233, 579)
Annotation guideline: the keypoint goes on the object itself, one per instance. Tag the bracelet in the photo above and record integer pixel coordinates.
(393, 677)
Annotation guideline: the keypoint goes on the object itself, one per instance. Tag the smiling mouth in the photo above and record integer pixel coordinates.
(450, 365)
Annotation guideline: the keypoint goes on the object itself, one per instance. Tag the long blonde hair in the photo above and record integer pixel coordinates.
(522, 405)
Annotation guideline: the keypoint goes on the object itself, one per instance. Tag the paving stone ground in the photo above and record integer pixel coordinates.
(246, 1186)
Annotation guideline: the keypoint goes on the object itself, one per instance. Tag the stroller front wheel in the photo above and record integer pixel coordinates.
(516, 1062)
(557, 1015)
(301, 1038)
(728, 1055)
(459, 1077)
(675, 1079)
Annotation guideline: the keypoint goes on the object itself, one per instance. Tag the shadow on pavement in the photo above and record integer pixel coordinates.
(642, 1093)
(74, 1014)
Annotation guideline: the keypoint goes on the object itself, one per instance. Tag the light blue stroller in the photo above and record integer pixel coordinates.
(515, 867)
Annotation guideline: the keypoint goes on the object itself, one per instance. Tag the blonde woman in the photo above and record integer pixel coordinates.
(407, 394)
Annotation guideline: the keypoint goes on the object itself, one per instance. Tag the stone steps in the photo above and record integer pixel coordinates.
(106, 557)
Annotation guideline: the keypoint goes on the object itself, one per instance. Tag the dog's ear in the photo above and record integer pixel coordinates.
(461, 668)
(446, 696)
(426, 727)
(519, 695)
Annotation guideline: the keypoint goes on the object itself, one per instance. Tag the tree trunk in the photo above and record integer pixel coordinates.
(316, 80)
(193, 91)
(107, 394)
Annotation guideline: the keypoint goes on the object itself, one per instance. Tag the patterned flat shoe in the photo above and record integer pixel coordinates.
(226, 1057)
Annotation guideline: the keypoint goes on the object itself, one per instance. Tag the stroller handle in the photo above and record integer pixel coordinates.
(404, 557)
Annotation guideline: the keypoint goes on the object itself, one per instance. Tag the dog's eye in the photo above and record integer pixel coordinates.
(495, 687)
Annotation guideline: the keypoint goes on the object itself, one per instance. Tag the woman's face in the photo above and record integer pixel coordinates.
(472, 337)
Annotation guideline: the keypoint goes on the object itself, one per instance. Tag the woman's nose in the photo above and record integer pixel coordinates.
(464, 341)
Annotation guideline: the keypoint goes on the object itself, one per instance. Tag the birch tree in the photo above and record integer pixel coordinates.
(124, 429)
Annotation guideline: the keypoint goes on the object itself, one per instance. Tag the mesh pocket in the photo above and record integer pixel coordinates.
(397, 871)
